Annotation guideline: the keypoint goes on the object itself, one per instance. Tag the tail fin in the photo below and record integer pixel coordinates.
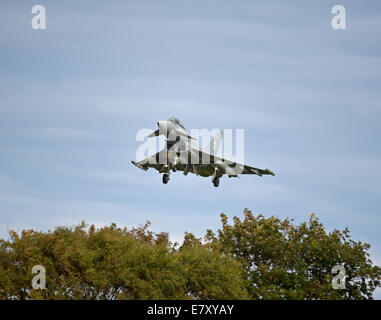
(214, 145)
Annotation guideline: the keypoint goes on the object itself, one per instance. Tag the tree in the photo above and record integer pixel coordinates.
(255, 258)
(285, 261)
(115, 263)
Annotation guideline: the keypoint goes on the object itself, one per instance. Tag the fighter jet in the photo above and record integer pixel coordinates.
(180, 154)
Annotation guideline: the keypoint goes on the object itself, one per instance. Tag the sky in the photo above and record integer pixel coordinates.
(74, 96)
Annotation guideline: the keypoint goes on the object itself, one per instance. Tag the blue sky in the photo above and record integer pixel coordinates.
(73, 97)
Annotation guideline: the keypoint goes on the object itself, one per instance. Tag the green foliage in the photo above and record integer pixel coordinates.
(256, 258)
(284, 261)
(114, 263)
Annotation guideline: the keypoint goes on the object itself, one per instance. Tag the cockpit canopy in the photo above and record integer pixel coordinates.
(176, 121)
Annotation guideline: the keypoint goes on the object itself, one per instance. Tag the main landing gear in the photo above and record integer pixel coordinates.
(165, 178)
(216, 181)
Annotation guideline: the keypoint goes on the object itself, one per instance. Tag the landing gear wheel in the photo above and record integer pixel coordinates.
(174, 169)
(165, 178)
(216, 182)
